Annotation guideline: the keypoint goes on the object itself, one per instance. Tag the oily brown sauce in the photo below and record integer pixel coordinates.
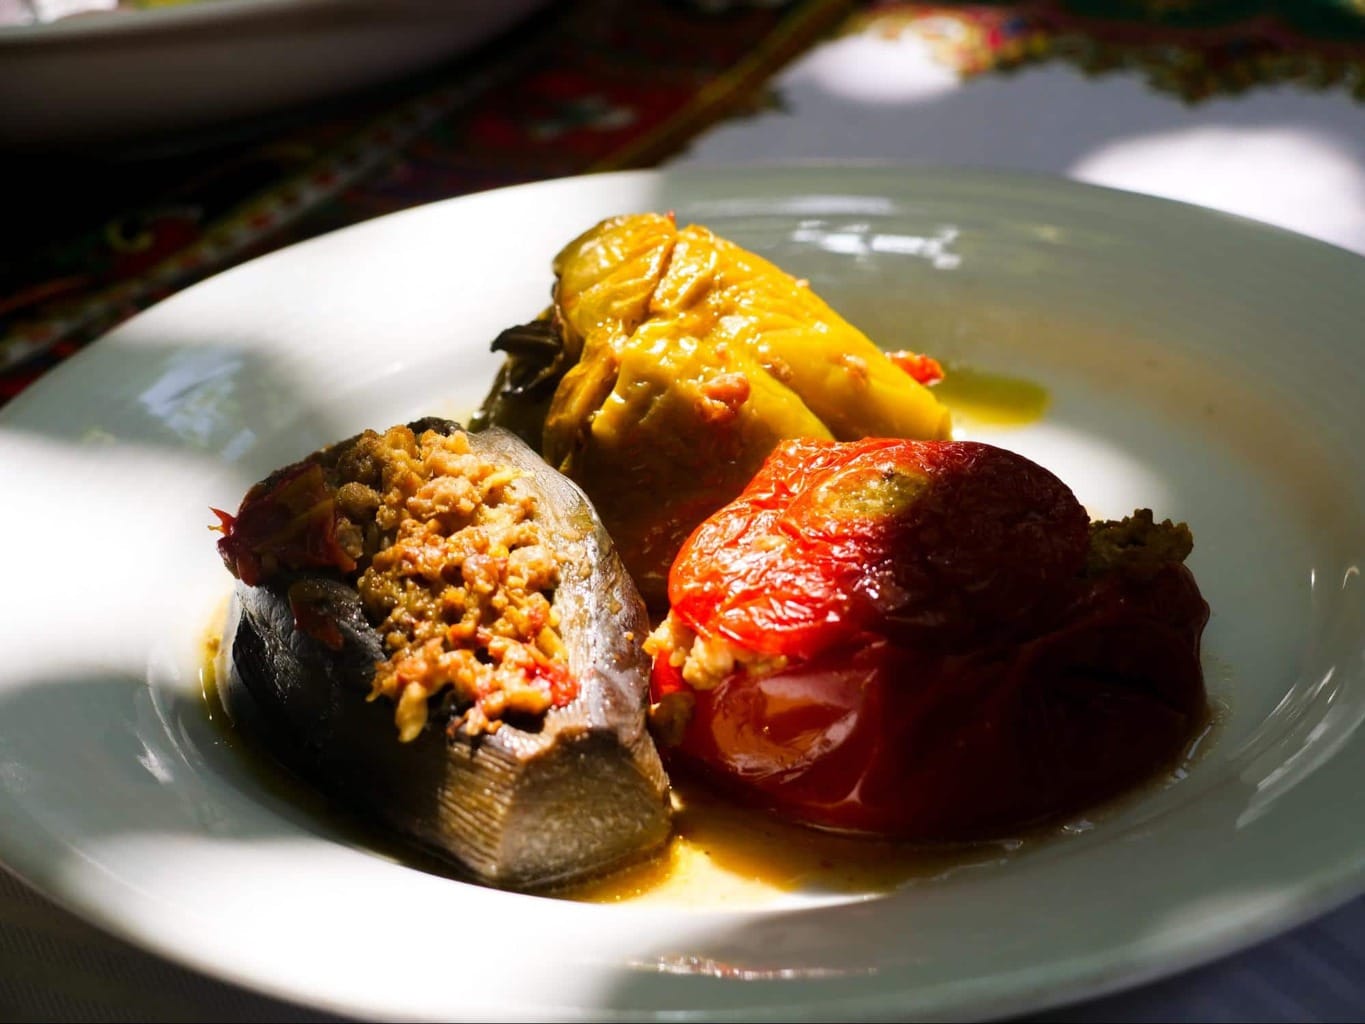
(721, 855)
(991, 399)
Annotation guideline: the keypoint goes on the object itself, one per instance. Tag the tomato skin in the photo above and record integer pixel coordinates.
(891, 741)
(1029, 692)
(937, 542)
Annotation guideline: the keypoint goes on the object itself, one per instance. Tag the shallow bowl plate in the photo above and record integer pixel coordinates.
(1207, 367)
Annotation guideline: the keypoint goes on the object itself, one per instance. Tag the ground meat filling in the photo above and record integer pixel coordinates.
(1136, 543)
(454, 572)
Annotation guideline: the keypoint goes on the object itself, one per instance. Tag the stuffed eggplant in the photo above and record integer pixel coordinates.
(672, 363)
(434, 628)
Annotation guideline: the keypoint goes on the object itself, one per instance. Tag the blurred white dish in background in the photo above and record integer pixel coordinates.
(130, 75)
(26, 12)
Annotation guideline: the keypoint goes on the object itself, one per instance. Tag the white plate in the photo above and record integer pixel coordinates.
(1206, 366)
(101, 77)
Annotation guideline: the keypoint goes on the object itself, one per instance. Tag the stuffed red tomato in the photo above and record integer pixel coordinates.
(926, 640)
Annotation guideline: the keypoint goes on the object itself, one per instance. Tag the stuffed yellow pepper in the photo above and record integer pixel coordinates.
(672, 363)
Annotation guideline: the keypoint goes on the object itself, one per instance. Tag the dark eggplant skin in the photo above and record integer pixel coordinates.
(529, 806)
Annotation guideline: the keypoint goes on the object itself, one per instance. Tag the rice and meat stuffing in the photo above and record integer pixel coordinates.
(455, 575)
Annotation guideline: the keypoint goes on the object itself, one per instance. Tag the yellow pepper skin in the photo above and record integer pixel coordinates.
(691, 358)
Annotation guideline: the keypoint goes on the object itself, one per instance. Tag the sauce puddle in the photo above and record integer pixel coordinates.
(724, 854)
(991, 399)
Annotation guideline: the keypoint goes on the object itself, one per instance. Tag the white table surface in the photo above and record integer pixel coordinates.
(1286, 156)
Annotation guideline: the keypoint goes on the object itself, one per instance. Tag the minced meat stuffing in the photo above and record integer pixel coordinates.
(452, 570)
(1137, 542)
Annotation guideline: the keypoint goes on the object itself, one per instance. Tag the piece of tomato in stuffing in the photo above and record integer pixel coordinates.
(286, 522)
